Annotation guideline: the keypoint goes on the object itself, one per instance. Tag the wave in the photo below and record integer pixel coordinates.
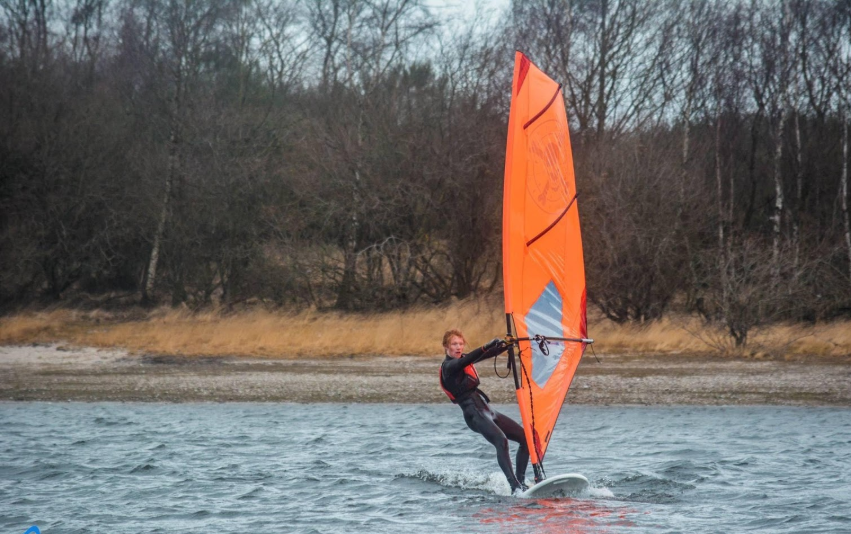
(493, 482)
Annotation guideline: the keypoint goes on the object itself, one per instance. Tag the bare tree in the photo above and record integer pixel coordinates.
(322, 152)
(607, 51)
(186, 30)
(770, 65)
(369, 39)
(634, 254)
(842, 70)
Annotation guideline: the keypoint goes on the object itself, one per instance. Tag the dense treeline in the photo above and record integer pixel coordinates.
(349, 153)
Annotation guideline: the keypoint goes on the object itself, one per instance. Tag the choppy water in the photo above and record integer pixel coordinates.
(408, 468)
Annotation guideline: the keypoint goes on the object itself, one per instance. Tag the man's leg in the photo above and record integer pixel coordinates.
(514, 432)
(489, 429)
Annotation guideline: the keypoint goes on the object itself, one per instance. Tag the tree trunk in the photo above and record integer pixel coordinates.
(603, 65)
(344, 295)
(799, 184)
(720, 195)
(150, 280)
(685, 155)
(777, 215)
(783, 102)
(680, 220)
(171, 175)
(752, 155)
(843, 188)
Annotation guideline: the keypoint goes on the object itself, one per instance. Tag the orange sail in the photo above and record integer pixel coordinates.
(543, 267)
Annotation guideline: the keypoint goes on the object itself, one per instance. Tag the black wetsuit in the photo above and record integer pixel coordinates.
(480, 417)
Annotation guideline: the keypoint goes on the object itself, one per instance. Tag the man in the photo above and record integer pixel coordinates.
(460, 382)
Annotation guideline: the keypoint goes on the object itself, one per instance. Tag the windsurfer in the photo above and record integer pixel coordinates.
(460, 382)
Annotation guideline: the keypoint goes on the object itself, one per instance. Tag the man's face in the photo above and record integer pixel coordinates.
(455, 347)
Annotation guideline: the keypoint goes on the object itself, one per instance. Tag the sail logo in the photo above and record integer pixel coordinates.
(33, 530)
(548, 154)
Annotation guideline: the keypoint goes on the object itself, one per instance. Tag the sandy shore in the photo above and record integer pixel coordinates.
(58, 373)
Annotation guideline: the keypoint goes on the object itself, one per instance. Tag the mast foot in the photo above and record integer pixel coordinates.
(539, 472)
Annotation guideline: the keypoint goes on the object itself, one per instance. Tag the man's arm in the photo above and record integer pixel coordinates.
(488, 350)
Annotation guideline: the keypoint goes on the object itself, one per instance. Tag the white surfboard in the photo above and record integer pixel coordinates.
(568, 485)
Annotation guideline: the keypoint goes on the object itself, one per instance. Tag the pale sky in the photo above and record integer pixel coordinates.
(465, 8)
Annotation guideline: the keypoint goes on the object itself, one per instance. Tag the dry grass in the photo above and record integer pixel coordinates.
(260, 333)
(691, 335)
(413, 332)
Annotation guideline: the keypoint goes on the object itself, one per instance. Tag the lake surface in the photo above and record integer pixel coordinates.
(132, 468)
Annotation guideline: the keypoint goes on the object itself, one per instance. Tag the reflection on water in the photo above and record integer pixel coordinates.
(552, 516)
(128, 468)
